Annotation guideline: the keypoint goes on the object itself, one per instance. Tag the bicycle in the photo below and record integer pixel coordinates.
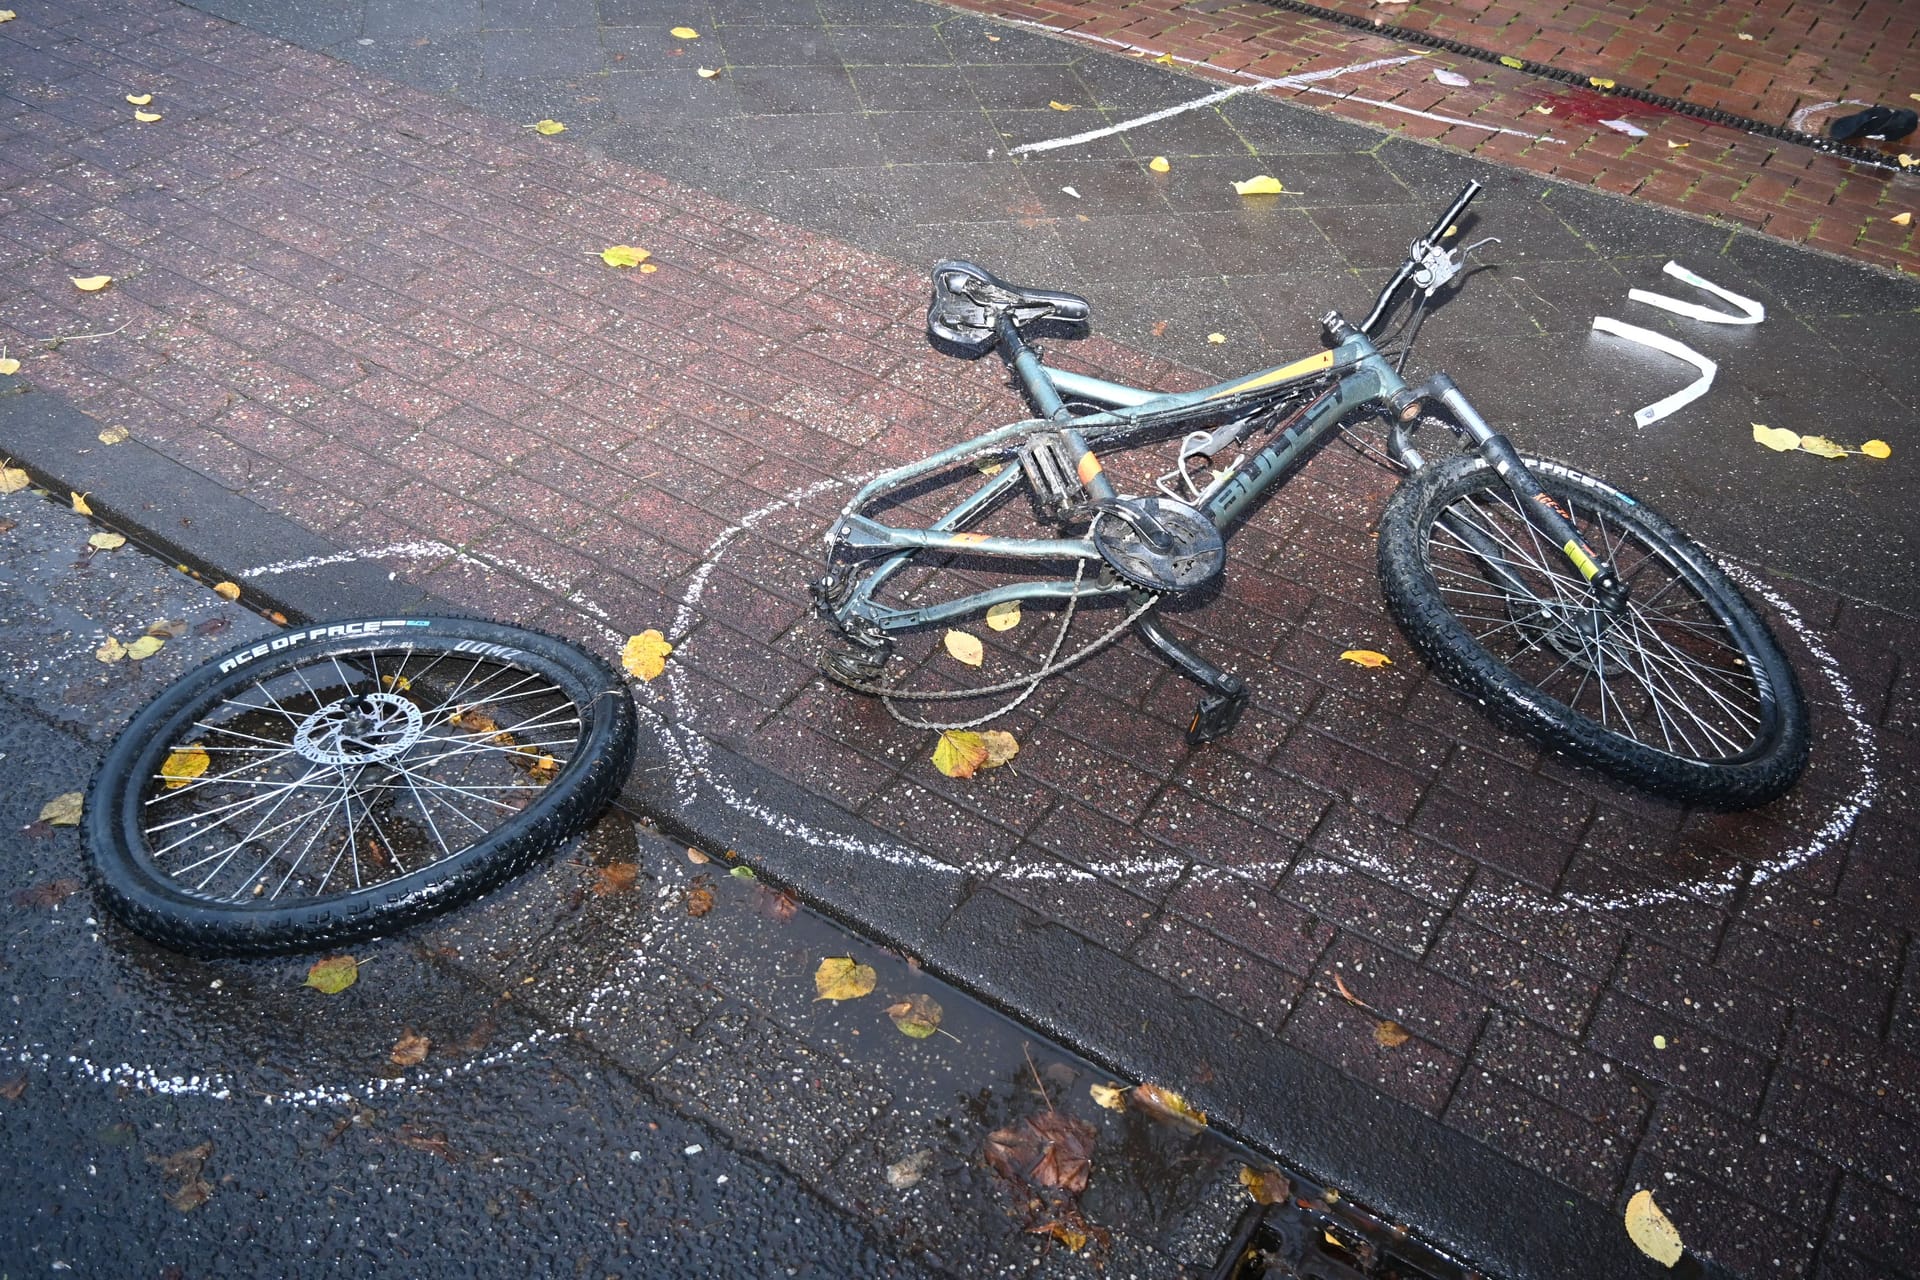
(1569, 610)
(346, 779)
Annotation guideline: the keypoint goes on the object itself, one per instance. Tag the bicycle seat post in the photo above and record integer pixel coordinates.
(1040, 389)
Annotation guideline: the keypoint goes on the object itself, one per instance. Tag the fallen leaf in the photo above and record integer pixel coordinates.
(1542, 108)
(147, 117)
(1070, 191)
(1742, 35)
(1111, 1096)
(410, 1050)
(333, 975)
(645, 655)
(113, 435)
(1600, 82)
(1260, 184)
(144, 647)
(1453, 78)
(1515, 63)
(960, 753)
(227, 590)
(1159, 164)
(1876, 449)
(1060, 106)
(918, 1016)
(13, 479)
(50, 894)
(547, 128)
(1001, 747)
(107, 541)
(1389, 1034)
(1621, 126)
(965, 647)
(1216, 338)
(80, 503)
(615, 877)
(1004, 616)
(699, 900)
(684, 33)
(8, 365)
(63, 810)
(1777, 438)
(706, 73)
(1266, 1186)
(1167, 1105)
(1822, 447)
(1907, 161)
(1160, 328)
(1677, 146)
(743, 873)
(1340, 985)
(139, 99)
(992, 468)
(1066, 1155)
(1652, 1231)
(623, 255)
(90, 284)
(183, 765)
(696, 857)
(842, 978)
(111, 650)
(544, 770)
(7, 15)
(1165, 59)
(904, 1173)
(1901, 219)
(14, 1086)
(1367, 658)
(183, 1168)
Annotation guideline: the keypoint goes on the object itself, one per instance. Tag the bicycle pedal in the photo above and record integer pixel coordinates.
(1052, 473)
(1216, 717)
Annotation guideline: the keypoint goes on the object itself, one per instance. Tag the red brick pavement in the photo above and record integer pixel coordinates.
(1802, 54)
(383, 318)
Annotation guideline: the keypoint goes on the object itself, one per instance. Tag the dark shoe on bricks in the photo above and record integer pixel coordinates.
(1875, 122)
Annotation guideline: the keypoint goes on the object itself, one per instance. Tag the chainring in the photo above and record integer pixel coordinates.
(1197, 556)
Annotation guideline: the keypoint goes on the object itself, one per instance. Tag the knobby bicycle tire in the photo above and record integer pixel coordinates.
(347, 779)
(1686, 694)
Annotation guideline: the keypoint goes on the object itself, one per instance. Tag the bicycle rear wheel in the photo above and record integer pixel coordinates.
(346, 779)
(1684, 692)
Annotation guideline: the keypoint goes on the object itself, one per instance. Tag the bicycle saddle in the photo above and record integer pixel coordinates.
(968, 302)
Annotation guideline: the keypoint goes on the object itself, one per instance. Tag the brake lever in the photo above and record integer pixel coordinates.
(1434, 267)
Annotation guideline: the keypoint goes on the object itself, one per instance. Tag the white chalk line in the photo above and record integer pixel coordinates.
(1304, 81)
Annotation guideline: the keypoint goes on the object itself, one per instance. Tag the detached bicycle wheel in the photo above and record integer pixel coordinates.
(1683, 692)
(347, 779)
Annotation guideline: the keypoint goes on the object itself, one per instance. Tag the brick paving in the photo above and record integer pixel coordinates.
(380, 315)
(1799, 56)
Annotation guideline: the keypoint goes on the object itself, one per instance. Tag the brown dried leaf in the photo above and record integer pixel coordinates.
(615, 877)
(1165, 1104)
(1066, 1162)
(699, 900)
(410, 1050)
(1389, 1034)
(1266, 1186)
(50, 894)
(13, 1086)
(63, 810)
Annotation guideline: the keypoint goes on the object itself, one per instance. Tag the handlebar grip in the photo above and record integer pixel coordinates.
(1452, 215)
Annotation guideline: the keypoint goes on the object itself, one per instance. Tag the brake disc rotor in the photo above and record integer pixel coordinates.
(1197, 555)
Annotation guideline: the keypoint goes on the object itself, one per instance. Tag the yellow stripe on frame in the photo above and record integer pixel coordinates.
(1581, 560)
(1312, 364)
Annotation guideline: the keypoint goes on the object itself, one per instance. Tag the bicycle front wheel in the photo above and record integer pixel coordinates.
(345, 779)
(1683, 692)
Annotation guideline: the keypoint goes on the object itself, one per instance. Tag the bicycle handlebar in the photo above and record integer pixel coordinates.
(1384, 303)
(1452, 215)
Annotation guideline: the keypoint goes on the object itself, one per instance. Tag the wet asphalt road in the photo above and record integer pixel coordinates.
(615, 1088)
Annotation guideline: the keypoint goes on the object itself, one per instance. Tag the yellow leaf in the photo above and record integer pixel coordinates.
(144, 647)
(623, 255)
(1165, 59)
(1168, 1105)
(1060, 106)
(1652, 1231)
(1266, 1186)
(1907, 161)
(1001, 747)
(1742, 35)
(13, 479)
(107, 541)
(7, 15)
(1216, 338)
(684, 33)
(992, 468)
(410, 1050)
(139, 99)
(960, 753)
(333, 974)
(706, 73)
(1822, 447)
(966, 648)
(1876, 449)
(1389, 1034)
(917, 1016)
(1676, 146)
(1111, 1096)
(645, 655)
(80, 503)
(90, 284)
(1159, 164)
(146, 117)
(1067, 1234)
(1261, 184)
(63, 810)
(1778, 438)
(184, 765)
(113, 435)
(547, 128)
(647, 268)
(227, 590)
(1901, 219)
(842, 978)
(1543, 109)
(9, 365)
(1599, 82)
(1367, 658)
(1004, 616)
(111, 651)
(1515, 63)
